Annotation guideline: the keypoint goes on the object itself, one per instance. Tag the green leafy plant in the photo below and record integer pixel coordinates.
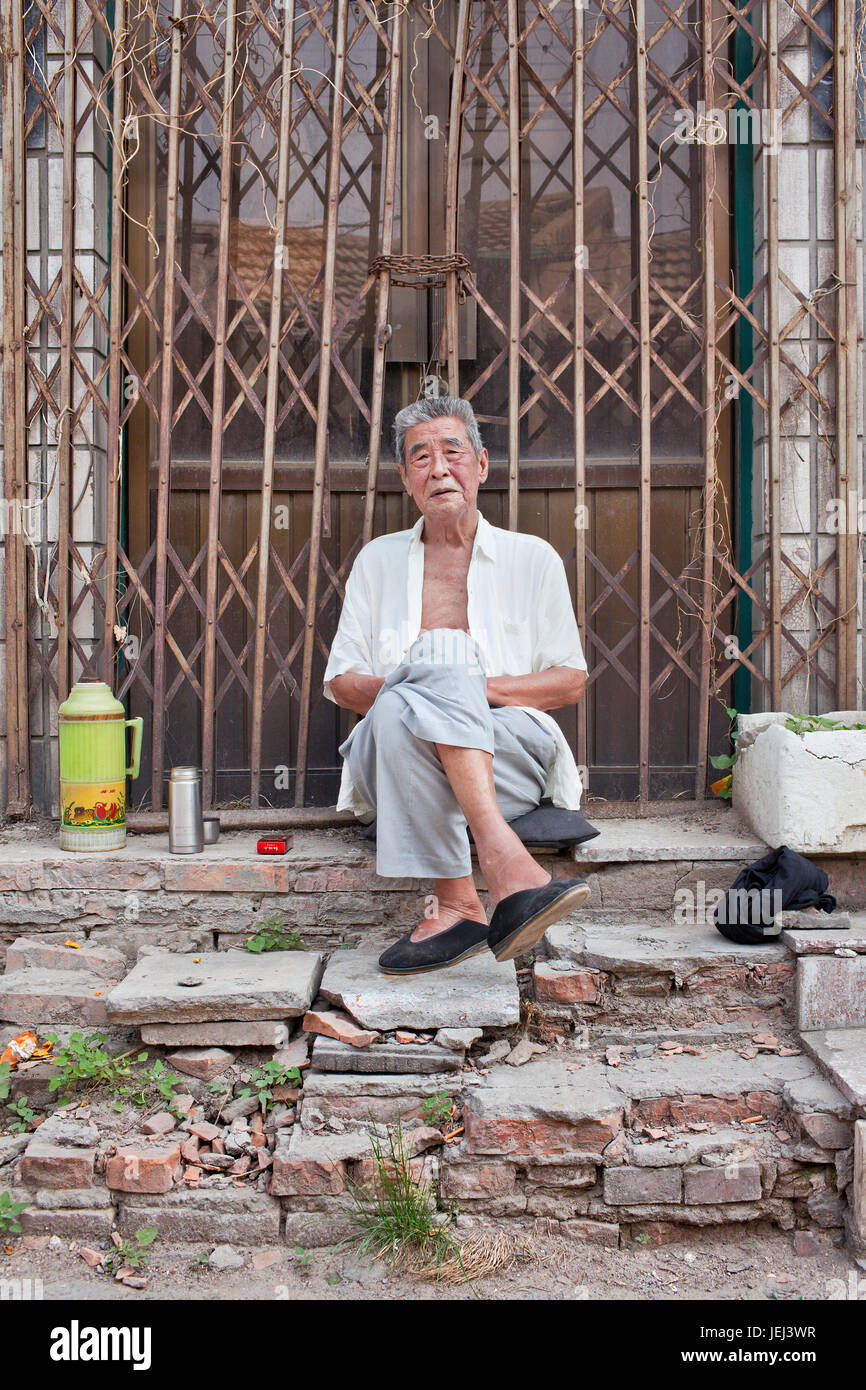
(723, 761)
(302, 1259)
(5, 1081)
(268, 1075)
(164, 1082)
(131, 1254)
(436, 1109)
(84, 1063)
(394, 1213)
(274, 934)
(9, 1213)
(26, 1116)
(815, 724)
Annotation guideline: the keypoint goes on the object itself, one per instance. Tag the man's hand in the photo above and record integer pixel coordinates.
(554, 688)
(356, 692)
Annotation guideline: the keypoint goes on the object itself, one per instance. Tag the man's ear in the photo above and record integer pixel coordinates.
(483, 464)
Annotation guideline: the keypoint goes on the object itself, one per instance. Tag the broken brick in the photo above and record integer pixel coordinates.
(143, 1168)
(333, 1023)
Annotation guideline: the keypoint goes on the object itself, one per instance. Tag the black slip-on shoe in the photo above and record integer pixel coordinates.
(407, 957)
(520, 920)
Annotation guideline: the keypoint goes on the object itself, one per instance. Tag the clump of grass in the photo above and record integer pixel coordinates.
(395, 1212)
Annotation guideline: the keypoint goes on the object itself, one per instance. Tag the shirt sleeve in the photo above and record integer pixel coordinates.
(352, 649)
(557, 640)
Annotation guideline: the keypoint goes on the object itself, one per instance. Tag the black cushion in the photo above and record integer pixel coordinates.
(546, 825)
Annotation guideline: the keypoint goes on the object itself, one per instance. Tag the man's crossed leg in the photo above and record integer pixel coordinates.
(431, 756)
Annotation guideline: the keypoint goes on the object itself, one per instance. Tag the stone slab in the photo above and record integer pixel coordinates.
(315, 1230)
(29, 952)
(215, 1033)
(831, 992)
(685, 1148)
(218, 1214)
(824, 942)
(695, 835)
(330, 1055)
(480, 992)
(76, 1224)
(841, 1053)
(811, 919)
(544, 1108)
(202, 1062)
(235, 985)
(36, 997)
(637, 949)
(359, 1098)
(344, 1085)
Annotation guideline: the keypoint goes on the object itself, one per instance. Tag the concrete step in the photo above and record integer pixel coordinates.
(660, 977)
(44, 998)
(604, 1153)
(216, 986)
(478, 993)
(841, 1055)
(656, 868)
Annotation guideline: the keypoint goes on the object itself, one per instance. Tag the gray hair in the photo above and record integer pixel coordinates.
(433, 408)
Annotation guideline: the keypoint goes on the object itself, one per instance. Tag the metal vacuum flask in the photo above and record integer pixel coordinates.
(185, 821)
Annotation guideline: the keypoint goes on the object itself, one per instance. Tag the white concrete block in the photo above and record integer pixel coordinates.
(807, 791)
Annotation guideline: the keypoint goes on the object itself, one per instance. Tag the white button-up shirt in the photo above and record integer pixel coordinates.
(519, 611)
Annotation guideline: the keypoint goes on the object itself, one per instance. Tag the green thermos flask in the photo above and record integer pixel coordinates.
(93, 769)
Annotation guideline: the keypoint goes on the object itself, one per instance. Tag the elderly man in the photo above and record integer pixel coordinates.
(455, 640)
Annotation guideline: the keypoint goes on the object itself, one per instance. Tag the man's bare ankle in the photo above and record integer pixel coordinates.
(446, 915)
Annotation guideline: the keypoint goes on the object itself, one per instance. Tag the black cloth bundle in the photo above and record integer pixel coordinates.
(780, 881)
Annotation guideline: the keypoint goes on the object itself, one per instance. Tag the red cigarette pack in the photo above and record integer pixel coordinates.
(272, 845)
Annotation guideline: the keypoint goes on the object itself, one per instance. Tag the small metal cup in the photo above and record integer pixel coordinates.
(185, 825)
(211, 829)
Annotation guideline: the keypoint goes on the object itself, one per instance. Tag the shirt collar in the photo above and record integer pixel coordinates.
(485, 537)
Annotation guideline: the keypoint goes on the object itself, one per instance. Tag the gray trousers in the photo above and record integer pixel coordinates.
(438, 695)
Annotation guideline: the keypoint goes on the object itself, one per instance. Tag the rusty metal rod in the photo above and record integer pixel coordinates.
(383, 286)
(63, 425)
(14, 410)
(773, 365)
(846, 254)
(331, 220)
(452, 194)
(645, 531)
(581, 514)
(708, 181)
(165, 409)
(208, 710)
(115, 325)
(513, 266)
(271, 397)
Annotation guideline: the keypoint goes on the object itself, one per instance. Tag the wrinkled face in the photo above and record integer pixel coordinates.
(442, 473)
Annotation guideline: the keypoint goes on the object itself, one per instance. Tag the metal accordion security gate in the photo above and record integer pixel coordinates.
(238, 235)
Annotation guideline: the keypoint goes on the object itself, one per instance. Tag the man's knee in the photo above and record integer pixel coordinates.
(385, 712)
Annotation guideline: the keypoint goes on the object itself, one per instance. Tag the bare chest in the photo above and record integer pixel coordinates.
(444, 593)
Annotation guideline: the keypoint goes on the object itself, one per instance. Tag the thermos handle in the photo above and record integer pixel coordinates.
(137, 725)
